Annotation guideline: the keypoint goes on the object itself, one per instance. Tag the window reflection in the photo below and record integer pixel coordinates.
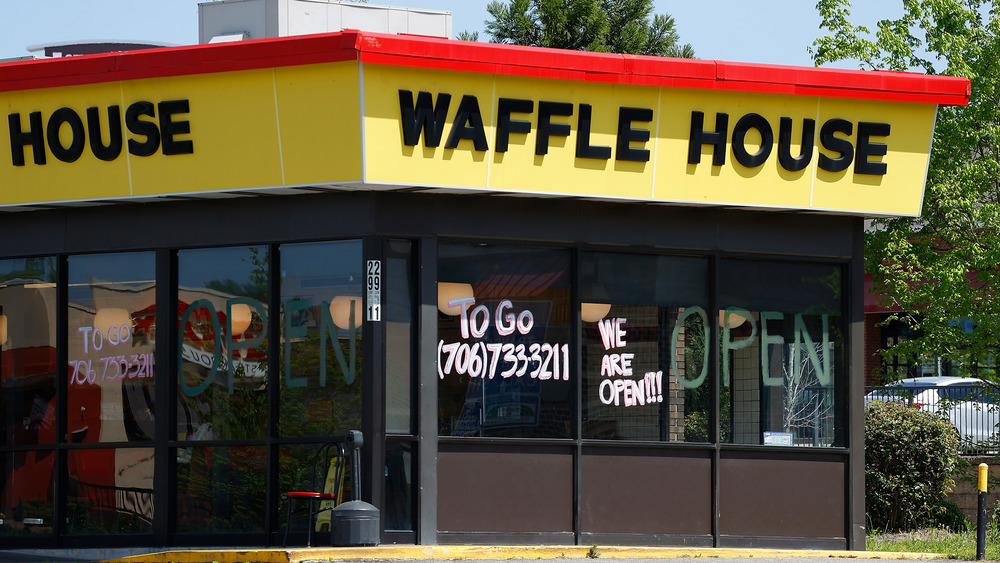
(400, 338)
(221, 489)
(121, 506)
(27, 502)
(222, 308)
(28, 357)
(27, 394)
(503, 351)
(645, 333)
(399, 461)
(112, 307)
(782, 345)
(322, 316)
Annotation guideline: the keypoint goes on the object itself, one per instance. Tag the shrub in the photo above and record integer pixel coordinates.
(696, 427)
(910, 456)
(948, 516)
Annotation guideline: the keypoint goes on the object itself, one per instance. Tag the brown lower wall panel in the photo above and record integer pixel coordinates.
(505, 490)
(646, 493)
(784, 497)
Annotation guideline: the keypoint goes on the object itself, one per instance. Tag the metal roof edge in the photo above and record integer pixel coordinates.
(465, 56)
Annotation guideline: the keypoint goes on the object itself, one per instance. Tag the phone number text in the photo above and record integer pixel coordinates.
(489, 359)
(111, 368)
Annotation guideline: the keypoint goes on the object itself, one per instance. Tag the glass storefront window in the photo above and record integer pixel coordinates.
(104, 502)
(112, 305)
(505, 320)
(503, 341)
(782, 349)
(399, 461)
(321, 319)
(28, 505)
(400, 338)
(28, 350)
(112, 309)
(223, 318)
(27, 394)
(221, 488)
(295, 473)
(645, 347)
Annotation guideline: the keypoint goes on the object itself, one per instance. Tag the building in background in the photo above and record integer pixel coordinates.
(236, 20)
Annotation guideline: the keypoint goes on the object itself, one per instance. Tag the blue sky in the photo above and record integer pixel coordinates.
(773, 31)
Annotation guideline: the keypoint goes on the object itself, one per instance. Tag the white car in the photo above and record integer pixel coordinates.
(971, 406)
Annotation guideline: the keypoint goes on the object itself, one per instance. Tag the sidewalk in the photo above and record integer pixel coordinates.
(410, 552)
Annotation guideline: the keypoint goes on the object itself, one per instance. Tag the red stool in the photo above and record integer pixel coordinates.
(327, 484)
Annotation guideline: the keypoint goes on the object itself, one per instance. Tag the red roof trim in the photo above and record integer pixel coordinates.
(445, 54)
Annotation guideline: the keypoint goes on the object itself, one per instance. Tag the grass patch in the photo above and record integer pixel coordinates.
(960, 545)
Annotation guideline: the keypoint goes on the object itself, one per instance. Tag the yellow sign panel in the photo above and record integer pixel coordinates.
(372, 126)
(200, 133)
(528, 135)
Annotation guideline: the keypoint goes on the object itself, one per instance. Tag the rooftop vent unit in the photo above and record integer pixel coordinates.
(234, 20)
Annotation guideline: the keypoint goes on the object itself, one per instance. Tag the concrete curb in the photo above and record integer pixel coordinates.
(492, 552)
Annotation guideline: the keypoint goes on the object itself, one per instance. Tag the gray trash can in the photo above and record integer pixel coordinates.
(355, 523)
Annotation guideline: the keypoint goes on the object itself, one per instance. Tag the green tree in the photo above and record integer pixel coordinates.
(609, 26)
(942, 267)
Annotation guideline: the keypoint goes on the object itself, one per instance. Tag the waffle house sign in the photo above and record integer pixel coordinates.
(366, 111)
